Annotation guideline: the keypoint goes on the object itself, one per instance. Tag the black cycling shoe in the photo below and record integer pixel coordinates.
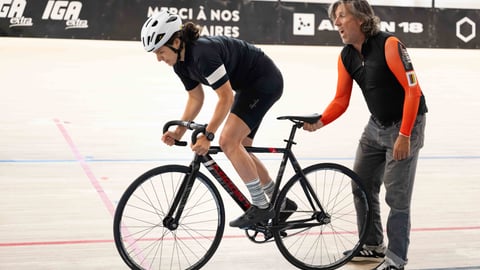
(253, 216)
(290, 207)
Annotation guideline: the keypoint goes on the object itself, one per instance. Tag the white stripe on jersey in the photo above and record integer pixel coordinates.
(217, 75)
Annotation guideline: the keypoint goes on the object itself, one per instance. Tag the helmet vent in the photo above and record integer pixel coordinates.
(172, 19)
(160, 28)
(149, 39)
(158, 38)
(148, 21)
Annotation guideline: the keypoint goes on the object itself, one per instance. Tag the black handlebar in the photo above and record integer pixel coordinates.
(197, 129)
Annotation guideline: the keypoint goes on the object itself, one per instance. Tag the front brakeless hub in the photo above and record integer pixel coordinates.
(170, 223)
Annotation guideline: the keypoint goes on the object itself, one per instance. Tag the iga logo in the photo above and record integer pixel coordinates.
(13, 9)
(68, 11)
(303, 24)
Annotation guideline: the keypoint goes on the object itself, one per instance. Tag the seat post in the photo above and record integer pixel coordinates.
(290, 141)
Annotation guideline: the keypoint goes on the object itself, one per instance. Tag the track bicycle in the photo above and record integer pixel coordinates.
(173, 217)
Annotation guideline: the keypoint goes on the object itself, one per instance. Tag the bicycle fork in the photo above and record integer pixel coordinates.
(172, 219)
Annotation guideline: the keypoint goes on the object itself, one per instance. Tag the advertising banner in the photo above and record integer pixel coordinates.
(260, 22)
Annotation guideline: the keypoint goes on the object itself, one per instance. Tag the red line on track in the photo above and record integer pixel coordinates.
(101, 241)
(107, 202)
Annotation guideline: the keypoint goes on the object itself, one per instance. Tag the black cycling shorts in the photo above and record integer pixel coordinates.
(252, 103)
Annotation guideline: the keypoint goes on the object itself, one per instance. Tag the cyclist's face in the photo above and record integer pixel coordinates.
(166, 55)
(349, 27)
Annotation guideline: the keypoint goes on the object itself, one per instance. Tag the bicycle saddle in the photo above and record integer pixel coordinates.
(311, 119)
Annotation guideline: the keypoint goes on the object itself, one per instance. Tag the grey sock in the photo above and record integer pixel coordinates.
(268, 189)
(258, 196)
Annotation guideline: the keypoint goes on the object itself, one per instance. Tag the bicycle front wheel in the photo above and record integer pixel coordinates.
(323, 232)
(142, 237)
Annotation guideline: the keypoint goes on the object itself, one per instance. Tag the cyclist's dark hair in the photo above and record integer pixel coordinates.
(189, 33)
(362, 10)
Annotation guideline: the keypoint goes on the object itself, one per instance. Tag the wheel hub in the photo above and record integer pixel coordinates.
(323, 218)
(170, 223)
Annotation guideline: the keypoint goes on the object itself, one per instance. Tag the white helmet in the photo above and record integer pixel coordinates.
(158, 29)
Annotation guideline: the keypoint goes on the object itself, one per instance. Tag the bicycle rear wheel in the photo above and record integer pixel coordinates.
(328, 239)
(141, 236)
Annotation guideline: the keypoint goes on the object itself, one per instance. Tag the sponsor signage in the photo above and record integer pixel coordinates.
(260, 22)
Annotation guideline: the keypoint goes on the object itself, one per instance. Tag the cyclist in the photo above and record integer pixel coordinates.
(390, 144)
(247, 84)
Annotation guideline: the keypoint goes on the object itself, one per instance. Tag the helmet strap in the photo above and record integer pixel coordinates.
(177, 51)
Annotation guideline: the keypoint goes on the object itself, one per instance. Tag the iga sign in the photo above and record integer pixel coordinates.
(69, 11)
(13, 10)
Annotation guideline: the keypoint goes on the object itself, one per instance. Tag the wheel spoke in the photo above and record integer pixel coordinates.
(331, 233)
(140, 235)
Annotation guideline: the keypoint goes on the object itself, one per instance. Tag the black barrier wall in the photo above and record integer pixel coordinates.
(260, 22)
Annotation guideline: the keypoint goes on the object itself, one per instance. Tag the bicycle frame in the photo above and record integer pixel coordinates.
(309, 230)
(230, 187)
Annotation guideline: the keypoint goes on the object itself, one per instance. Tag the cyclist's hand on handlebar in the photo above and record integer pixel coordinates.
(202, 146)
(313, 127)
(169, 138)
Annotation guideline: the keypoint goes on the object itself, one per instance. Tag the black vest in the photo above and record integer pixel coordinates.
(383, 93)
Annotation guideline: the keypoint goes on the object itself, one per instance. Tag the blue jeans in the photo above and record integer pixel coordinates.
(375, 165)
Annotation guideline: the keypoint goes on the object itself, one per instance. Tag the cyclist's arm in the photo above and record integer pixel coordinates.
(192, 108)
(403, 70)
(342, 96)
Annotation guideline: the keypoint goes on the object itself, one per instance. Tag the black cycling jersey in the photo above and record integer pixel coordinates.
(254, 77)
(215, 60)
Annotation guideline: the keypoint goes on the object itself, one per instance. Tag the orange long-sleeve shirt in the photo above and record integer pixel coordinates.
(386, 76)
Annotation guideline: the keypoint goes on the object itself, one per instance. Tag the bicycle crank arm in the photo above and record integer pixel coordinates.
(259, 234)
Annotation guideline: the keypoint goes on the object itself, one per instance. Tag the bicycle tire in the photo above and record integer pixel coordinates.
(140, 236)
(333, 244)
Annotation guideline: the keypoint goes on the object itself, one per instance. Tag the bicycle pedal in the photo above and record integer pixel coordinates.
(253, 233)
